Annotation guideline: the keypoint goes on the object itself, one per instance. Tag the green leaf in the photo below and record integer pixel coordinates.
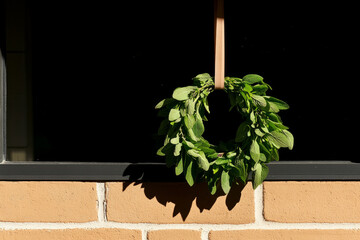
(213, 187)
(225, 182)
(203, 143)
(252, 117)
(259, 132)
(242, 170)
(202, 79)
(164, 102)
(189, 144)
(235, 100)
(274, 154)
(207, 150)
(231, 154)
(255, 151)
(179, 169)
(189, 121)
(280, 139)
(203, 162)
(175, 140)
(290, 138)
(260, 173)
(276, 125)
(259, 100)
(177, 149)
(192, 135)
(264, 148)
(182, 93)
(198, 127)
(241, 133)
(260, 89)
(274, 117)
(212, 182)
(200, 157)
(206, 105)
(221, 161)
(194, 153)
(262, 157)
(213, 156)
(159, 152)
(203, 76)
(263, 127)
(247, 88)
(273, 107)
(281, 105)
(246, 100)
(174, 114)
(160, 104)
(252, 78)
(167, 149)
(190, 106)
(189, 174)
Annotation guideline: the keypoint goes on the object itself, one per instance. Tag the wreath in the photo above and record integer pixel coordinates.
(256, 142)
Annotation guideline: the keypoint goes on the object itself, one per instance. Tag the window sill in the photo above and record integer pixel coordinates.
(86, 171)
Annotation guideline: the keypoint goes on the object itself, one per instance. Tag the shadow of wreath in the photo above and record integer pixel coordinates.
(178, 192)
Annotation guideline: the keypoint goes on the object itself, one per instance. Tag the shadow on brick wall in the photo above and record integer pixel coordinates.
(175, 190)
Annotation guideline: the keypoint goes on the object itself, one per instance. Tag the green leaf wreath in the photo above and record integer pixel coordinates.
(256, 141)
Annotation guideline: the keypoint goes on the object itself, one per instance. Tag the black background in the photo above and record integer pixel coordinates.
(99, 68)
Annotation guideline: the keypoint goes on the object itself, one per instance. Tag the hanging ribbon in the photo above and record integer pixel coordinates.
(219, 38)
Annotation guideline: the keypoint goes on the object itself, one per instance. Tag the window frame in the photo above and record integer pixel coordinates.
(123, 171)
(2, 108)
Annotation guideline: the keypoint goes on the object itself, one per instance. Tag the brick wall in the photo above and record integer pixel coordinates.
(157, 211)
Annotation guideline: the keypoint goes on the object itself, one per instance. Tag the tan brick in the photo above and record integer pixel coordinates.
(173, 234)
(285, 235)
(71, 234)
(322, 202)
(48, 202)
(177, 203)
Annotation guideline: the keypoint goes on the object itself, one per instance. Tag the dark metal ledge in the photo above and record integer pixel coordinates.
(87, 171)
(314, 170)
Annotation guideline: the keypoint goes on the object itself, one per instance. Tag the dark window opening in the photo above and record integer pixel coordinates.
(99, 72)
(96, 70)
